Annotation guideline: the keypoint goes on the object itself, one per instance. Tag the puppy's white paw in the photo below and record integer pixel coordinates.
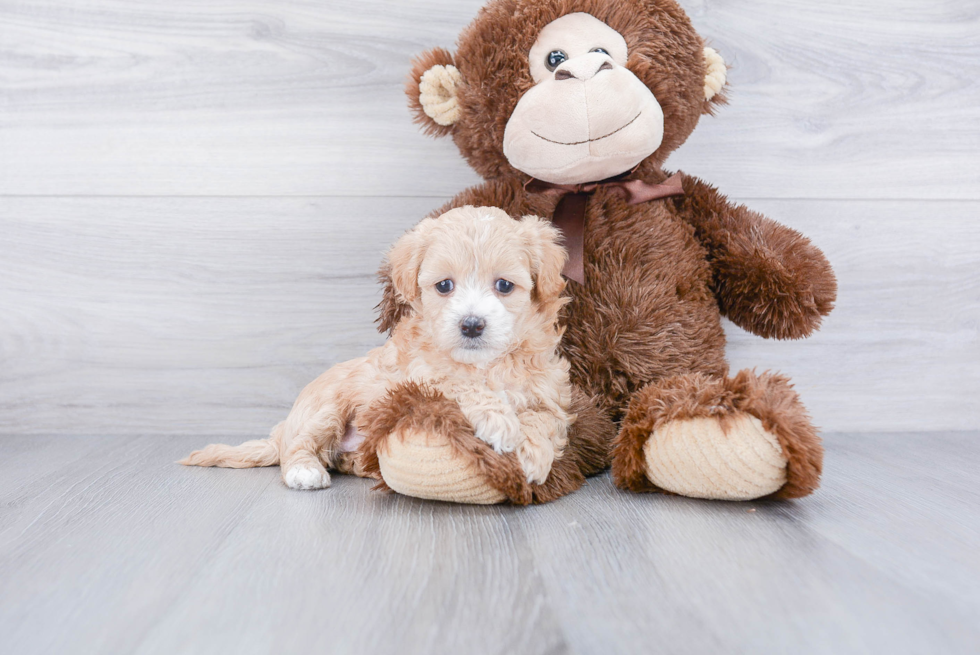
(499, 429)
(536, 462)
(495, 440)
(306, 477)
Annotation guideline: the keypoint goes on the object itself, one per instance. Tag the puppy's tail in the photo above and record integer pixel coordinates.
(260, 452)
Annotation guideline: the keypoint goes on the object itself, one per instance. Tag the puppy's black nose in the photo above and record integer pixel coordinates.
(472, 326)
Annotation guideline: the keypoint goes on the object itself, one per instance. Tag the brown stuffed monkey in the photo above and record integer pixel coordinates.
(569, 109)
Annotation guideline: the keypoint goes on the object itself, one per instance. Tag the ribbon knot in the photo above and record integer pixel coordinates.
(569, 215)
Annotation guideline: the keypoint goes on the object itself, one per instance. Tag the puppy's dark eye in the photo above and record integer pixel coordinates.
(444, 287)
(554, 59)
(503, 286)
(602, 50)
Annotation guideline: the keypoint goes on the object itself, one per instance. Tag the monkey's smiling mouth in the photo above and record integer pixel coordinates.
(598, 138)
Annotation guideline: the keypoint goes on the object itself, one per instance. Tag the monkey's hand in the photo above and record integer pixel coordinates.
(768, 278)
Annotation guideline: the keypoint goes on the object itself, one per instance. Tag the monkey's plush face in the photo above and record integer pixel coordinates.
(569, 91)
(587, 117)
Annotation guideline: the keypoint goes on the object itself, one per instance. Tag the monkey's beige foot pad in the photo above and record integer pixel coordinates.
(729, 458)
(427, 466)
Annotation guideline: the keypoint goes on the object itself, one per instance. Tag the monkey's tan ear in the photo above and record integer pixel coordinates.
(431, 90)
(715, 77)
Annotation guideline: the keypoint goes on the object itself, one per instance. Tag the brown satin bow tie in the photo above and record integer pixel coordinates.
(569, 215)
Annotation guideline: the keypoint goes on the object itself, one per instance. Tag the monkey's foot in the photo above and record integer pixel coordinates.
(415, 463)
(418, 443)
(737, 438)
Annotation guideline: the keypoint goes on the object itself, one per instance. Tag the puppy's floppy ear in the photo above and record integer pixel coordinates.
(404, 260)
(546, 256)
(431, 90)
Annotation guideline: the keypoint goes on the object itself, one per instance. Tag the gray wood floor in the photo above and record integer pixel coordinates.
(106, 546)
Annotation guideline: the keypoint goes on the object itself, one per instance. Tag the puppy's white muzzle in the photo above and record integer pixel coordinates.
(477, 326)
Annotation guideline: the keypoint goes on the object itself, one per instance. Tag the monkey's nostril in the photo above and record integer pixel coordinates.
(606, 66)
(472, 326)
(563, 75)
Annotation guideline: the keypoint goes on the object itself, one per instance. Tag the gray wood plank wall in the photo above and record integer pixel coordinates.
(194, 197)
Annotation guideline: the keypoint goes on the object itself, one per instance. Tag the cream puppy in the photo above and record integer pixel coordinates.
(485, 292)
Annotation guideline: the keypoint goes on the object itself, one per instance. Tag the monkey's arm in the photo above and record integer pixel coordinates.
(768, 278)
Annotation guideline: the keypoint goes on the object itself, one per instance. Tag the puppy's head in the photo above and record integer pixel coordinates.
(481, 283)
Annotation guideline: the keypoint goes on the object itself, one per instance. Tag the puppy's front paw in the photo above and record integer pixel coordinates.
(496, 440)
(502, 431)
(305, 476)
(536, 461)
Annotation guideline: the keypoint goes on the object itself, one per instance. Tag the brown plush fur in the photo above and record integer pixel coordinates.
(769, 397)
(434, 57)
(769, 280)
(665, 53)
(420, 408)
(659, 275)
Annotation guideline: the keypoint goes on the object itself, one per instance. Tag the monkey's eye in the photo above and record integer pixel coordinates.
(444, 287)
(503, 286)
(554, 59)
(602, 50)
